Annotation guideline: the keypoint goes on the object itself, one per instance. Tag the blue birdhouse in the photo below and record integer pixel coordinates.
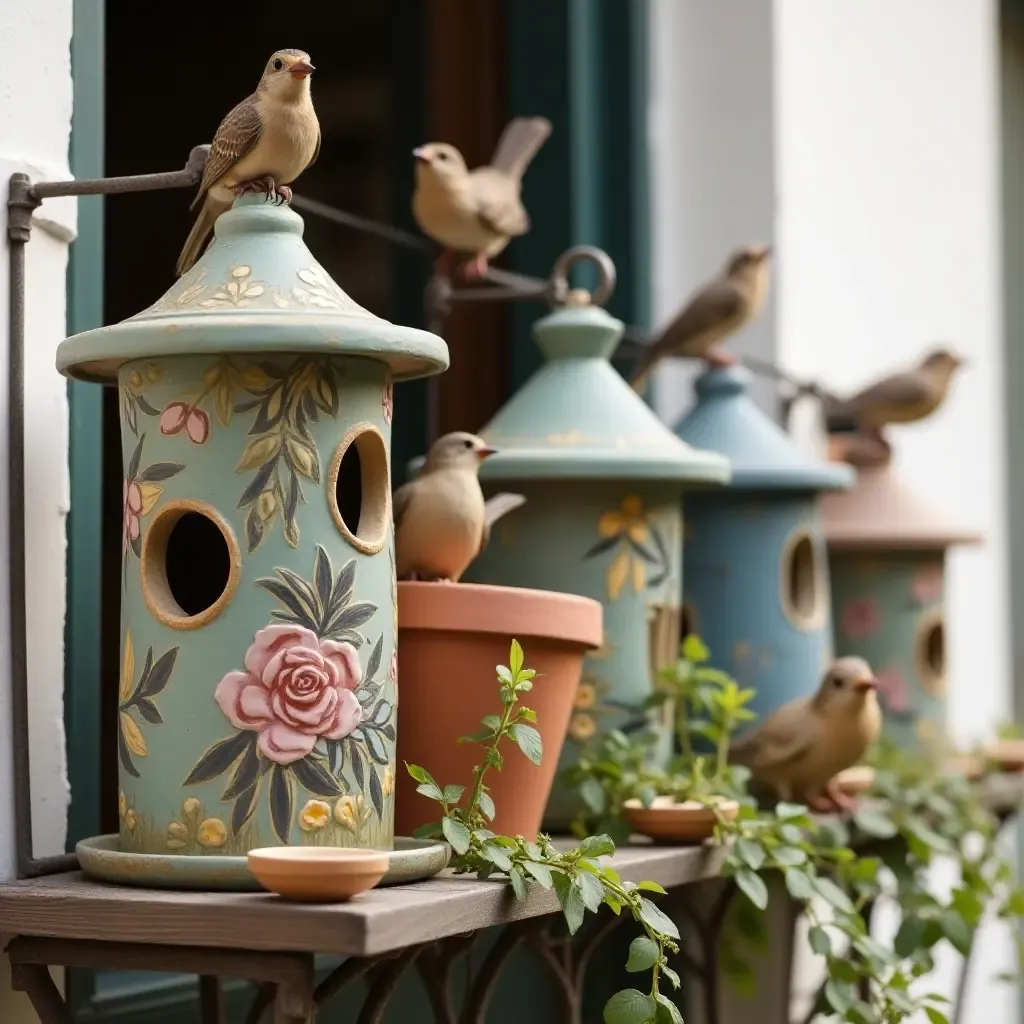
(756, 584)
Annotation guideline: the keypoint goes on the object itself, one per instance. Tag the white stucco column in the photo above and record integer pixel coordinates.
(35, 124)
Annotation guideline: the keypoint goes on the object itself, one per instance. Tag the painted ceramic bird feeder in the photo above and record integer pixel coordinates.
(887, 556)
(757, 588)
(603, 480)
(258, 680)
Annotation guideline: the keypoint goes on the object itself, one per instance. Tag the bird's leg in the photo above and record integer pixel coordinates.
(284, 195)
(443, 264)
(839, 798)
(821, 803)
(266, 185)
(716, 357)
(476, 268)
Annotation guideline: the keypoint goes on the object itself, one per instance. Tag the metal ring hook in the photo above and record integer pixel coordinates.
(559, 284)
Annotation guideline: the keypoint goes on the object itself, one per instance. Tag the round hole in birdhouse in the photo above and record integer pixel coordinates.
(687, 621)
(190, 564)
(359, 488)
(930, 653)
(802, 581)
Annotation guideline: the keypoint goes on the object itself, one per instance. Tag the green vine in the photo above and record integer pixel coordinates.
(580, 881)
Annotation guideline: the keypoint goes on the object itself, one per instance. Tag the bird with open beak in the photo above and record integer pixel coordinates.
(719, 308)
(441, 519)
(262, 145)
(798, 750)
(476, 211)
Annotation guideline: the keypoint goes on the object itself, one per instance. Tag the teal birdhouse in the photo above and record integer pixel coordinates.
(603, 480)
(258, 684)
(887, 558)
(757, 587)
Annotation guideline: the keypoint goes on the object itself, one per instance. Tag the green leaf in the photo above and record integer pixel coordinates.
(652, 915)
(832, 894)
(541, 872)
(457, 834)
(668, 1012)
(592, 794)
(430, 791)
(651, 887)
(789, 856)
(491, 722)
(597, 846)
(956, 930)
(497, 856)
(667, 972)
(629, 1007)
(693, 649)
(800, 885)
(873, 823)
(753, 887)
(571, 901)
(908, 938)
(752, 853)
(518, 883)
(453, 794)
(529, 742)
(592, 891)
(839, 995)
(820, 942)
(486, 805)
(419, 774)
(935, 1016)
(515, 658)
(643, 954)
(784, 811)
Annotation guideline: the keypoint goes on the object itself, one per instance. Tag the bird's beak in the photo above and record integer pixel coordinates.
(486, 452)
(866, 685)
(421, 155)
(301, 69)
(766, 251)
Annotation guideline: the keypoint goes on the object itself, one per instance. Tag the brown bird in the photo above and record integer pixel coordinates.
(442, 522)
(719, 308)
(799, 749)
(476, 211)
(263, 145)
(900, 398)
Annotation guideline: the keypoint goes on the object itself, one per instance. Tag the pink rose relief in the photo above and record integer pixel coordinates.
(296, 689)
(860, 617)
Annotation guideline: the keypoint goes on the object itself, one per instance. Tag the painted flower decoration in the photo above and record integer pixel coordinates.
(295, 690)
(926, 585)
(352, 813)
(582, 727)
(132, 497)
(314, 815)
(212, 833)
(860, 617)
(640, 544)
(393, 672)
(140, 492)
(893, 690)
(389, 780)
(178, 417)
(388, 399)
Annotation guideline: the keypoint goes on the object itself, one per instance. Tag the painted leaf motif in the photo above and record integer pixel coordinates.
(155, 679)
(281, 799)
(376, 794)
(243, 808)
(314, 777)
(125, 756)
(223, 403)
(150, 496)
(149, 711)
(639, 576)
(258, 451)
(133, 735)
(611, 524)
(127, 667)
(373, 664)
(246, 774)
(160, 471)
(618, 571)
(218, 759)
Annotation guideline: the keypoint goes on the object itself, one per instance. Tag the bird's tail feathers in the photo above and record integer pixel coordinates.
(519, 143)
(196, 240)
(500, 505)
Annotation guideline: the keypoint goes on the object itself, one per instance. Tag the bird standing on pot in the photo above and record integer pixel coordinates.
(262, 145)
(476, 211)
(441, 519)
(719, 308)
(800, 748)
(904, 397)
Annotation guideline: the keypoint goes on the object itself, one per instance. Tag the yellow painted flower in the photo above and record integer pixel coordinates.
(135, 379)
(630, 521)
(212, 833)
(130, 820)
(191, 807)
(389, 781)
(177, 831)
(582, 727)
(586, 696)
(314, 816)
(122, 804)
(345, 812)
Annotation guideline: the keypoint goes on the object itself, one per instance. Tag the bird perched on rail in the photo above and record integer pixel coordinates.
(719, 308)
(476, 211)
(900, 398)
(441, 519)
(799, 749)
(262, 145)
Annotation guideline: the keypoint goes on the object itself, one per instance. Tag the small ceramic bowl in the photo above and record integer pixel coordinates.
(856, 780)
(317, 874)
(1007, 755)
(972, 768)
(671, 822)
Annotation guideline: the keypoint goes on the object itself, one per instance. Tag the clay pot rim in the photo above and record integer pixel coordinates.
(508, 611)
(335, 859)
(693, 808)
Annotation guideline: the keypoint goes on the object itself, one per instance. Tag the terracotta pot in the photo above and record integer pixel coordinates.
(450, 638)
(1006, 755)
(666, 821)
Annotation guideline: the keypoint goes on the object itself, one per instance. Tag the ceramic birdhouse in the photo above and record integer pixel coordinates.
(757, 588)
(256, 699)
(887, 554)
(603, 480)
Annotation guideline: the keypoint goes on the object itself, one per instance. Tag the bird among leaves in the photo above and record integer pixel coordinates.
(798, 750)
(262, 145)
(476, 211)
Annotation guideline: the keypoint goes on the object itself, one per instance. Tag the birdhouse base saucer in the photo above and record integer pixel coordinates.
(102, 858)
(667, 821)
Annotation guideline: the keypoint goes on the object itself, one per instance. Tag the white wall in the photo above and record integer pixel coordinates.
(883, 159)
(35, 122)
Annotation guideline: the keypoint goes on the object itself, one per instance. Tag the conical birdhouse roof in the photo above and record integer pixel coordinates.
(576, 418)
(763, 456)
(257, 288)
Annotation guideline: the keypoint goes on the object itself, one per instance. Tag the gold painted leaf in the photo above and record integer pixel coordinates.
(617, 573)
(127, 666)
(291, 532)
(266, 507)
(150, 496)
(133, 735)
(223, 401)
(302, 458)
(632, 507)
(254, 378)
(638, 532)
(610, 524)
(212, 373)
(274, 405)
(258, 451)
(639, 576)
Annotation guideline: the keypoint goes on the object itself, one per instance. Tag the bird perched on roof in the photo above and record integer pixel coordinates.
(799, 749)
(441, 519)
(720, 307)
(900, 398)
(476, 211)
(262, 145)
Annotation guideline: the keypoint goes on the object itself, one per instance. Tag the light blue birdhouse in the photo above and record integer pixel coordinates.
(757, 588)
(256, 699)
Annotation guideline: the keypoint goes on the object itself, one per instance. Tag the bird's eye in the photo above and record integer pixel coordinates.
(278, 64)
(442, 156)
(468, 444)
(837, 683)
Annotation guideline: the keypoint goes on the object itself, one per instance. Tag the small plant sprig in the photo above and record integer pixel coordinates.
(580, 881)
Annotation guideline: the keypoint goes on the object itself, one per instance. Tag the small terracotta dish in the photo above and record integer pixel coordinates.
(856, 780)
(317, 874)
(1007, 755)
(669, 822)
(970, 767)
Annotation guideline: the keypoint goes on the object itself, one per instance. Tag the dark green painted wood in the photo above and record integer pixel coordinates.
(589, 184)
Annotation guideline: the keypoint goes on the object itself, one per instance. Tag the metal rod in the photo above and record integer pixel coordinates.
(364, 224)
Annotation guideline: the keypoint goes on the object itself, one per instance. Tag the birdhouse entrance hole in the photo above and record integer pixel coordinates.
(802, 582)
(359, 488)
(190, 564)
(931, 653)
